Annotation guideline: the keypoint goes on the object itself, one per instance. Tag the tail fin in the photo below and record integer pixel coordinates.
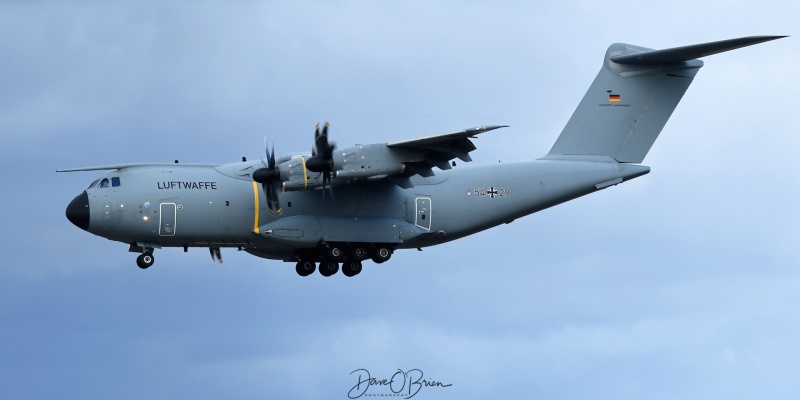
(633, 96)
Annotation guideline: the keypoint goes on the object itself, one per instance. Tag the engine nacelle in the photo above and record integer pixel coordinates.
(353, 163)
(364, 161)
(296, 176)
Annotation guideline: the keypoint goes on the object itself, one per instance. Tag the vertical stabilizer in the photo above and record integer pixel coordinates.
(632, 98)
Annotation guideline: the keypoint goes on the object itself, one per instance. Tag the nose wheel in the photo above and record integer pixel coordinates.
(145, 260)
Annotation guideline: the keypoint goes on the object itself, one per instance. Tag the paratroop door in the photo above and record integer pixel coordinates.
(423, 219)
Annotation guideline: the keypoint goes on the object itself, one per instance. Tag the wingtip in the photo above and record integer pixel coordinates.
(489, 128)
(767, 38)
(751, 40)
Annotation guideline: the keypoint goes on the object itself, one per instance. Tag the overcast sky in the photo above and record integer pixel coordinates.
(682, 284)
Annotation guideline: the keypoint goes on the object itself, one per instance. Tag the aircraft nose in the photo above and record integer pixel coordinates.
(78, 211)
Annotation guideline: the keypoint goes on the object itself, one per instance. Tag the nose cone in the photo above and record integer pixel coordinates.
(78, 211)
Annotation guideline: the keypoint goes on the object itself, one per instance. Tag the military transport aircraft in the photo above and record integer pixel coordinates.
(348, 205)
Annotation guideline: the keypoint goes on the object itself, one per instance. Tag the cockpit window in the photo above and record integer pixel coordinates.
(93, 184)
(114, 182)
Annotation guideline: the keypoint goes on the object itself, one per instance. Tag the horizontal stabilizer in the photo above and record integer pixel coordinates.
(686, 53)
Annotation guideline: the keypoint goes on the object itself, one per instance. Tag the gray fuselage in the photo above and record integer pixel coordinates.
(179, 205)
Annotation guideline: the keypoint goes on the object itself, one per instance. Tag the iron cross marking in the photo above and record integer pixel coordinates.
(492, 192)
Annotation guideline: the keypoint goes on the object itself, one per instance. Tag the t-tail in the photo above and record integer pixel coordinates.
(632, 98)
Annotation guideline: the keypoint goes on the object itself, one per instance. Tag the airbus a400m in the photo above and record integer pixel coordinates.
(343, 206)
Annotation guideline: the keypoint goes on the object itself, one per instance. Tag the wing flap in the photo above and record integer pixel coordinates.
(438, 150)
(449, 137)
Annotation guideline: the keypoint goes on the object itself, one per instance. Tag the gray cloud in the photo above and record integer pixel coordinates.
(678, 284)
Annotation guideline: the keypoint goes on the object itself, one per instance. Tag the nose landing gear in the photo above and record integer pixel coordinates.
(145, 260)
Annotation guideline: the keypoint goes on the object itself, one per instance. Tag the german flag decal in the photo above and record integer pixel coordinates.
(614, 98)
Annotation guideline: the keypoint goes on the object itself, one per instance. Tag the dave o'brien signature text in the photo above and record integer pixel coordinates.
(407, 383)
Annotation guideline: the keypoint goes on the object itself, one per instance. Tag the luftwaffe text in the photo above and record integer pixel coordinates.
(187, 185)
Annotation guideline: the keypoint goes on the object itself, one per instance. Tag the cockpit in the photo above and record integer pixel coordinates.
(105, 182)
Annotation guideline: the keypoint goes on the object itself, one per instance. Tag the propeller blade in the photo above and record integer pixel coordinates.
(321, 142)
(272, 157)
(274, 203)
(269, 178)
(326, 177)
(324, 182)
(321, 160)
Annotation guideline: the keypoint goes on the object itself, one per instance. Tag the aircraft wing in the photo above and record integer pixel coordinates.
(131, 165)
(439, 149)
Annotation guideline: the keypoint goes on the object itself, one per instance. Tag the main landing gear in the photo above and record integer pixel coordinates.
(349, 256)
(305, 268)
(381, 254)
(351, 268)
(328, 268)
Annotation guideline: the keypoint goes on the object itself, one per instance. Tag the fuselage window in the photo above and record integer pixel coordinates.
(104, 183)
(115, 181)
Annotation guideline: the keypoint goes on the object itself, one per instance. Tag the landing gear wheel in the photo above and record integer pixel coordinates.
(305, 268)
(382, 254)
(360, 253)
(335, 252)
(145, 260)
(328, 268)
(351, 268)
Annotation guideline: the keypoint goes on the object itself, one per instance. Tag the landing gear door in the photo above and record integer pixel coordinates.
(168, 219)
(423, 218)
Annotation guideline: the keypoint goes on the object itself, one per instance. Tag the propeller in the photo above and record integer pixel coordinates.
(269, 177)
(322, 157)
